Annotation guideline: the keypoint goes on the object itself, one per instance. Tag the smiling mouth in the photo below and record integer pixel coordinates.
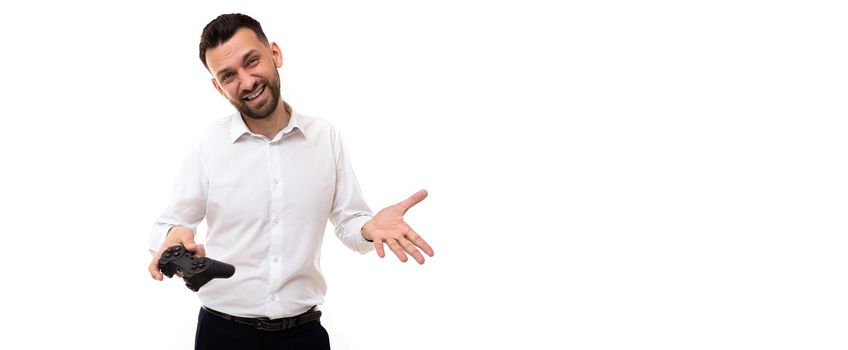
(255, 94)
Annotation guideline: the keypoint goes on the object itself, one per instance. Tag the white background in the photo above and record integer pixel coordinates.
(602, 175)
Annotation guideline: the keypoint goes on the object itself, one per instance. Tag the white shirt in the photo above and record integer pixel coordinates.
(267, 203)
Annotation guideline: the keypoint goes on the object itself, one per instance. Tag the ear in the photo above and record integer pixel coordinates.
(218, 87)
(277, 54)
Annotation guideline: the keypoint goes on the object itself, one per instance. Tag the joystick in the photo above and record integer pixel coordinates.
(195, 271)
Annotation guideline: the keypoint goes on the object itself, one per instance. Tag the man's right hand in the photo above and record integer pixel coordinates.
(177, 235)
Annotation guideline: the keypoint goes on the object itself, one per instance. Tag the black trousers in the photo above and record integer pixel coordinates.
(216, 333)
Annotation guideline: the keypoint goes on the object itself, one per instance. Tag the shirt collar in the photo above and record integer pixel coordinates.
(239, 128)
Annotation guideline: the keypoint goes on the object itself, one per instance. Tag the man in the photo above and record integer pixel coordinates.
(267, 179)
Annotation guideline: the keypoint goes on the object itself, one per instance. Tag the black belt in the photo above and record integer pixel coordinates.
(266, 324)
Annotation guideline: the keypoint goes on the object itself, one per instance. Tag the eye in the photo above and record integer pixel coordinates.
(253, 61)
(227, 77)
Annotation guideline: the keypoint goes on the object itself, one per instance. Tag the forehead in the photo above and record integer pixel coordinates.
(231, 52)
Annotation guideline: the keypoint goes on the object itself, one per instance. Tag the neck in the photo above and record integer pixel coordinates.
(269, 127)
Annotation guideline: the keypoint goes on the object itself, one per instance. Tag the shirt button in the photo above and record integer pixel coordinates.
(276, 259)
(276, 181)
(273, 297)
(276, 220)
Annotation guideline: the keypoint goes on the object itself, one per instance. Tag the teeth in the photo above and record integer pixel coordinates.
(255, 94)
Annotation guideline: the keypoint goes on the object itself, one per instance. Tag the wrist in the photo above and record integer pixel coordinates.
(179, 231)
(364, 231)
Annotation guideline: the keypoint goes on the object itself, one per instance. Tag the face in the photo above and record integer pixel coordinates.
(244, 71)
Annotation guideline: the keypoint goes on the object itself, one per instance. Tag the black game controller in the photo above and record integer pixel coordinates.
(195, 271)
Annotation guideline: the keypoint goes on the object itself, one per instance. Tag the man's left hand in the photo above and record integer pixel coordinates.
(388, 227)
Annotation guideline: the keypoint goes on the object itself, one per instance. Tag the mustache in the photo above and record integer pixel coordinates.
(247, 92)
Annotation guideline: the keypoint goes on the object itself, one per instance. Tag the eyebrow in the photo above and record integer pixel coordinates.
(244, 60)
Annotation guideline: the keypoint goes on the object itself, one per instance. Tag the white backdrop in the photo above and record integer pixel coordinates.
(602, 175)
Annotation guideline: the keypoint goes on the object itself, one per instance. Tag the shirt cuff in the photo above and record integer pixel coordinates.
(157, 237)
(359, 243)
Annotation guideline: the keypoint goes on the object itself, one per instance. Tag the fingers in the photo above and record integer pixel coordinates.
(180, 235)
(176, 236)
(413, 243)
(419, 242)
(201, 251)
(402, 241)
(413, 200)
(410, 249)
(402, 247)
(395, 247)
(154, 269)
(189, 245)
(378, 243)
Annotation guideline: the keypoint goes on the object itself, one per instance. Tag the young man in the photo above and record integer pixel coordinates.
(267, 179)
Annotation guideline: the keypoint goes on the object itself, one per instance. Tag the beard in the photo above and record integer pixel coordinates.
(261, 111)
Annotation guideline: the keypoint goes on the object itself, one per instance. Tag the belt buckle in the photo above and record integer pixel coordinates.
(290, 323)
(262, 324)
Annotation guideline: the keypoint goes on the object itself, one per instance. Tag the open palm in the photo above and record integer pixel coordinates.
(388, 227)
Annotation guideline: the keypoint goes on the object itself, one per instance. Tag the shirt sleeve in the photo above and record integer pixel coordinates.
(188, 204)
(349, 212)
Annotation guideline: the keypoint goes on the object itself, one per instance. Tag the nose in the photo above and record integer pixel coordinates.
(248, 83)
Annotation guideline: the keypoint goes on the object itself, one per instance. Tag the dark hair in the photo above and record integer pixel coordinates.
(223, 28)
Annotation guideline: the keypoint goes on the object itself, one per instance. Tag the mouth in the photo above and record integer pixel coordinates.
(254, 95)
